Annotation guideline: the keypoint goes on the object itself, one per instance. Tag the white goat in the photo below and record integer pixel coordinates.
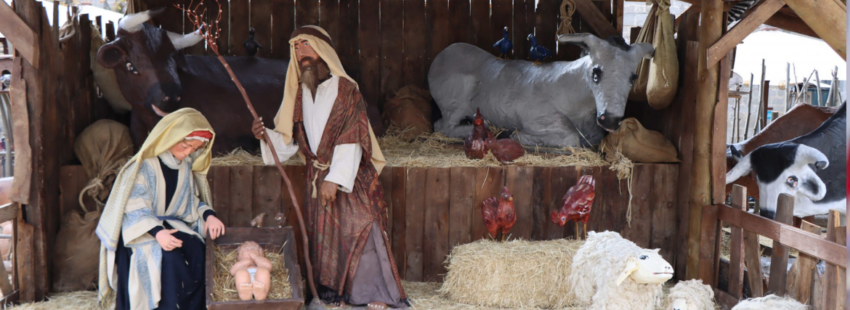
(610, 272)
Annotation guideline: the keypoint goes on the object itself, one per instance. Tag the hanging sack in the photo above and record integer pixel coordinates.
(638, 144)
(663, 80)
(410, 111)
(646, 35)
(103, 148)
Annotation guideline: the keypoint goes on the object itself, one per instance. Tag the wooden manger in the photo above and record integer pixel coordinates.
(271, 239)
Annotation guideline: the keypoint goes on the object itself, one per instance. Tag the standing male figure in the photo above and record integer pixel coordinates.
(345, 213)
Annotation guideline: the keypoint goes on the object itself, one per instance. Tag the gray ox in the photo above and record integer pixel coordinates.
(563, 103)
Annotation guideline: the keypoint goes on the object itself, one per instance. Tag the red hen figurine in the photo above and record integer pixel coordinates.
(499, 214)
(488, 213)
(475, 146)
(577, 204)
(506, 150)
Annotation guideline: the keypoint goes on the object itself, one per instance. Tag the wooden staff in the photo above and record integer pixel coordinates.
(210, 37)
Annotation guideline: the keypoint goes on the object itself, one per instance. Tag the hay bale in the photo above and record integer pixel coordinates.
(80, 300)
(410, 109)
(518, 273)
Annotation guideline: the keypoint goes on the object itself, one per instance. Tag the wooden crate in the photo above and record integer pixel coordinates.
(271, 239)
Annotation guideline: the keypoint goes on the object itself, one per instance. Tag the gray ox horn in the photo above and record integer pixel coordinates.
(134, 22)
(181, 41)
(586, 41)
(812, 156)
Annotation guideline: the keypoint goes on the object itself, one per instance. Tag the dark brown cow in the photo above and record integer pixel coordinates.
(800, 120)
(157, 79)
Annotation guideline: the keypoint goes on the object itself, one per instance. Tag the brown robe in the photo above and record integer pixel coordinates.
(338, 233)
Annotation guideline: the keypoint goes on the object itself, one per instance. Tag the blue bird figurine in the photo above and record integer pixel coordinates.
(504, 45)
(537, 52)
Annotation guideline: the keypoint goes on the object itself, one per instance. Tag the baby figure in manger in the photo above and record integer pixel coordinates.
(252, 271)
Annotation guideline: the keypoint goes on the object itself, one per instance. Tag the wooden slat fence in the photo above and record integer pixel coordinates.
(388, 44)
(431, 210)
(802, 282)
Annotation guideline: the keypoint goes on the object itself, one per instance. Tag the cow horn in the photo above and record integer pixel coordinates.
(811, 156)
(586, 41)
(743, 167)
(181, 41)
(134, 22)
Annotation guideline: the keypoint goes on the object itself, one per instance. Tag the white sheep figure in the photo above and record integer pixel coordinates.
(690, 295)
(610, 272)
(771, 302)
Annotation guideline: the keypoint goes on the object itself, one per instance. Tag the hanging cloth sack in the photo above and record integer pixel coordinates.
(664, 66)
(638, 144)
(103, 148)
(646, 35)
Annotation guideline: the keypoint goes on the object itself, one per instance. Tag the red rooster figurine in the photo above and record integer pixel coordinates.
(475, 146)
(577, 204)
(499, 214)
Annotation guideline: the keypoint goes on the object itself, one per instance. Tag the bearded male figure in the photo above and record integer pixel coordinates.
(345, 213)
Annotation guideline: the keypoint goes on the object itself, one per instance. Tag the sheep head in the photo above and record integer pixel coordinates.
(680, 304)
(648, 268)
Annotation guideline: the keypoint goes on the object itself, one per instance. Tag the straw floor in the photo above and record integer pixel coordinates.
(437, 150)
(422, 295)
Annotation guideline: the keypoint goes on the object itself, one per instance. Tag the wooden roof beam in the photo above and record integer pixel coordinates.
(793, 24)
(591, 14)
(22, 37)
(758, 15)
(827, 18)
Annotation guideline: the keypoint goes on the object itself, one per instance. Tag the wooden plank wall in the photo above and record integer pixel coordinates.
(387, 44)
(432, 210)
(61, 102)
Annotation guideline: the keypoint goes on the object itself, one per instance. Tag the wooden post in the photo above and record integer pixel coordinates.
(749, 108)
(718, 143)
(835, 284)
(779, 259)
(736, 259)
(710, 31)
(753, 260)
(799, 284)
(765, 92)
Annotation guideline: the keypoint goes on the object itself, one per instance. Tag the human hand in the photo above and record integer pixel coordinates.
(258, 128)
(215, 227)
(167, 241)
(328, 192)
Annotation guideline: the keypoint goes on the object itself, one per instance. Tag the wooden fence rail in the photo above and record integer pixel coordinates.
(826, 292)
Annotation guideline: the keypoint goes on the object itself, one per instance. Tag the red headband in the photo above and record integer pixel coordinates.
(201, 133)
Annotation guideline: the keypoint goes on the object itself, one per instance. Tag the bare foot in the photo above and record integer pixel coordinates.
(377, 306)
(243, 284)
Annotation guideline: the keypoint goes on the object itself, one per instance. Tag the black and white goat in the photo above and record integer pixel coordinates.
(811, 167)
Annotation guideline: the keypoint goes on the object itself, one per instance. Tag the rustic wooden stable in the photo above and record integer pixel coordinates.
(388, 44)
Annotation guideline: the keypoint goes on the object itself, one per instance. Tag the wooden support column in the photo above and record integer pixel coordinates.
(736, 259)
(710, 31)
(718, 138)
(836, 281)
(827, 18)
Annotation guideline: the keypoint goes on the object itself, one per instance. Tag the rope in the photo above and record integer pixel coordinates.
(321, 167)
(566, 26)
(95, 186)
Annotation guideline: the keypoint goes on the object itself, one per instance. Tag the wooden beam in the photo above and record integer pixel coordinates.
(8, 212)
(22, 37)
(757, 16)
(593, 17)
(711, 21)
(707, 271)
(827, 18)
(793, 24)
